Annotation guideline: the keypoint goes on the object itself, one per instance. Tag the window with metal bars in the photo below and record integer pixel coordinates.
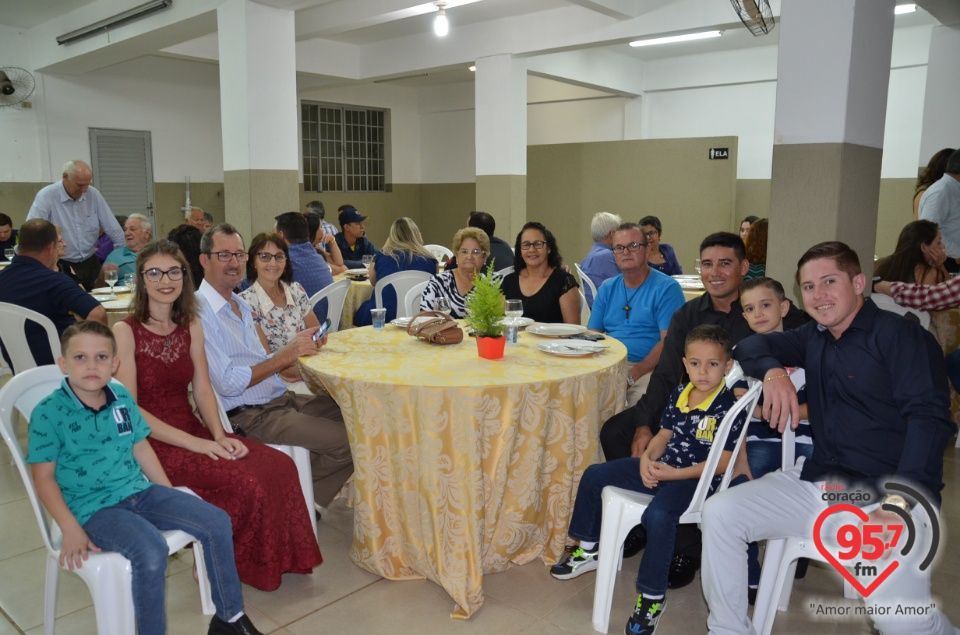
(343, 148)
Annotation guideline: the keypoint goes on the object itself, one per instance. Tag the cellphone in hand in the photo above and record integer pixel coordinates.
(322, 331)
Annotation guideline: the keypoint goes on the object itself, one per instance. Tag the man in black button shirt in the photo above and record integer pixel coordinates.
(722, 266)
(879, 410)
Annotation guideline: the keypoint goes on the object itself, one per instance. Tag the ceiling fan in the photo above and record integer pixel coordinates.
(16, 84)
(755, 14)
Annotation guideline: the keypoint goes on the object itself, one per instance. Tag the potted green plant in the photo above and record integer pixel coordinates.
(485, 314)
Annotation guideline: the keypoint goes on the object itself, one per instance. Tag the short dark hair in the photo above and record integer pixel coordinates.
(5, 220)
(652, 221)
(257, 244)
(206, 242)
(345, 206)
(294, 227)
(766, 283)
(750, 219)
(710, 333)
(187, 238)
(87, 327)
(554, 259)
(725, 239)
(841, 253)
(313, 224)
(484, 221)
(953, 163)
(36, 234)
(316, 207)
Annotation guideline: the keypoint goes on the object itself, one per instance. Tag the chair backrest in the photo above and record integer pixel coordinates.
(505, 271)
(20, 396)
(585, 280)
(411, 302)
(402, 281)
(584, 309)
(887, 303)
(746, 403)
(13, 319)
(441, 253)
(335, 294)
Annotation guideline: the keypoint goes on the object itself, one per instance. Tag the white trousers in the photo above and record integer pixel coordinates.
(780, 505)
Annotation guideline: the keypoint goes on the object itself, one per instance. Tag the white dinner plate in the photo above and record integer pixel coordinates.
(102, 297)
(106, 290)
(521, 322)
(114, 305)
(401, 322)
(357, 272)
(686, 276)
(556, 330)
(690, 284)
(571, 348)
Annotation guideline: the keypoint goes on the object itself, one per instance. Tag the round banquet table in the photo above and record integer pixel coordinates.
(464, 465)
(359, 292)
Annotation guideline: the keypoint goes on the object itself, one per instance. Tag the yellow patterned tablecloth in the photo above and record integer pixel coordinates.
(464, 465)
(357, 294)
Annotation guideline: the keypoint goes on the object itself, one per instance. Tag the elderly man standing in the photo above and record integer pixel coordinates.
(600, 264)
(246, 377)
(137, 231)
(80, 211)
(33, 282)
(635, 307)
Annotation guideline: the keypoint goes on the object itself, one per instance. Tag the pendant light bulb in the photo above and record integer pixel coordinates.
(440, 24)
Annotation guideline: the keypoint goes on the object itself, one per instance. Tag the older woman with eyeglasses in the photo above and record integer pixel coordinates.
(471, 246)
(280, 306)
(549, 293)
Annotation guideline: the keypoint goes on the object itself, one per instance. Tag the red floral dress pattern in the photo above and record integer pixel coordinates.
(272, 534)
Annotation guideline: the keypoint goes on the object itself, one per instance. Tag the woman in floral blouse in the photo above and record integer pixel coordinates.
(281, 308)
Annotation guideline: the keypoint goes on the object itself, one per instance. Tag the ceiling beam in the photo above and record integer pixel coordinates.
(946, 11)
(348, 15)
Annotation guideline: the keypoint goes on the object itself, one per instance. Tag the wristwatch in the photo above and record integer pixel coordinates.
(630, 380)
(897, 501)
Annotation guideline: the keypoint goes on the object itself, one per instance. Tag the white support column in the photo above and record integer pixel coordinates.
(501, 141)
(832, 83)
(941, 125)
(258, 106)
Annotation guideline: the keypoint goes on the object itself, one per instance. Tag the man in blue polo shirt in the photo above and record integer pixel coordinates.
(137, 232)
(635, 307)
(33, 282)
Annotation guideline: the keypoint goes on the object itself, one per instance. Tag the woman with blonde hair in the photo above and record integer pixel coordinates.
(403, 251)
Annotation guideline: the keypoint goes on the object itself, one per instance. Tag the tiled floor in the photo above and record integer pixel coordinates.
(339, 597)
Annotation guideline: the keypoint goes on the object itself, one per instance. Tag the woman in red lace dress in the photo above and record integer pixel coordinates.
(161, 352)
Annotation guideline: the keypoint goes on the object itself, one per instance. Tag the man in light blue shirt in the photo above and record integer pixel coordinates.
(600, 264)
(246, 377)
(635, 307)
(137, 232)
(941, 204)
(80, 211)
(309, 268)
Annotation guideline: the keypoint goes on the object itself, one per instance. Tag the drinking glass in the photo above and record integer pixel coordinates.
(379, 318)
(8, 254)
(129, 280)
(696, 265)
(443, 306)
(367, 261)
(110, 277)
(514, 311)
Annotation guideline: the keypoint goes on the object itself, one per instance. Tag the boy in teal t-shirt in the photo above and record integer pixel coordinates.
(90, 462)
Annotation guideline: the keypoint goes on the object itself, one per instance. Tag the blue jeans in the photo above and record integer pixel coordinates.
(132, 528)
(671, 499)
(765, 457)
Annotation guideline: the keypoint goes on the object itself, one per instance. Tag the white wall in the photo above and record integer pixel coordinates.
(19, 138)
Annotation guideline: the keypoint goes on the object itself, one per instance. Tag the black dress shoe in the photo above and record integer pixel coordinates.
(683, 570)
(243, 626)
(635, 542)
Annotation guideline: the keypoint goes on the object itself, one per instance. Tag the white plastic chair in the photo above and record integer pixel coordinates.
(402, 282)
(585, 280)
(300, 456)
(411, 301)
(335, 294)
(584, 309)
(13, 319)
(506, 271)
(623, 509)
(887, 303)
(106, 574)
(441, 253)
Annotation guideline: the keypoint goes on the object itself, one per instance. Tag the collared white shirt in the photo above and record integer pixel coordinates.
(80, 220)
(233, 349)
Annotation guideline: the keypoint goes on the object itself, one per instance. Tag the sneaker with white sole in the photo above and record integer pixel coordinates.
(645, 616)
(578, 563)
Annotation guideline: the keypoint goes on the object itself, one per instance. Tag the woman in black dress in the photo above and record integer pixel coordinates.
(549, 293)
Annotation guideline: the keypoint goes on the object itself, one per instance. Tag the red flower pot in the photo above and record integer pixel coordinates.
(491, 347)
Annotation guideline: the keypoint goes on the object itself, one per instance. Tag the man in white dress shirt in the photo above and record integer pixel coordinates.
(246, 377)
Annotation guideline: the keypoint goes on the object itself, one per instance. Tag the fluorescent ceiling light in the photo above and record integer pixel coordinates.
(441, 26)
(678, 38)
(904, 8)
(114, 21)
(472, 69)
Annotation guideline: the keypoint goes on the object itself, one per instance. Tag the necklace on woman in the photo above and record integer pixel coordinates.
(626, 307)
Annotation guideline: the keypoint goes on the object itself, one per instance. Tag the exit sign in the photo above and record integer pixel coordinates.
(719, 153)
